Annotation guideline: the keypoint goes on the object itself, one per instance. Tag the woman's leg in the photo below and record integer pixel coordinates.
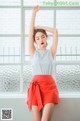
(47, 112)
(36, 114)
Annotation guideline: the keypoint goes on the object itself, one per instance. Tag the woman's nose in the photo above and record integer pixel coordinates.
(41, 38)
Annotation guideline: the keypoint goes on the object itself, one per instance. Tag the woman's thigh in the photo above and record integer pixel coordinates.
(36, 114)
(47, 112)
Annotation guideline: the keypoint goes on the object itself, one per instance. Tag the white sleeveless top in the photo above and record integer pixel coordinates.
(42, 64)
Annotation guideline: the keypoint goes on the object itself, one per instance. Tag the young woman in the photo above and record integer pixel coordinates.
(42, 92)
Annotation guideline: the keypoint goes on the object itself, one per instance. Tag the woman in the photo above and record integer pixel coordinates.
(42, 92)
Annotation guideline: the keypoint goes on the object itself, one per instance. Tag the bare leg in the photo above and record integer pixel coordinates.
(47, 112)
(36, 114)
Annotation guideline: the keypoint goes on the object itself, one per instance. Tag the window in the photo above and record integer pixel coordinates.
(15, 65)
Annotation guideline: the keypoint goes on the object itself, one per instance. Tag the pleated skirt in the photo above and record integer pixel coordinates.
(42, 90)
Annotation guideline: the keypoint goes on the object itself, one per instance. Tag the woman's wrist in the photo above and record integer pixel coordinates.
(35, 9)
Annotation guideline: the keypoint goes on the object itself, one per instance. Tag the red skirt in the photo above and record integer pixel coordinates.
(42, 89)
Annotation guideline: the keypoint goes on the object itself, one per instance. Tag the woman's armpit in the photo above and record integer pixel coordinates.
(31, 56)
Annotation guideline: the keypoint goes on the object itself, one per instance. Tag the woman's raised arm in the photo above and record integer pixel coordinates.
(49, 29)
(31, 31)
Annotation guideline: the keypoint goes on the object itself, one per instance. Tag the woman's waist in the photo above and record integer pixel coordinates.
(42, 78)
(41, 75)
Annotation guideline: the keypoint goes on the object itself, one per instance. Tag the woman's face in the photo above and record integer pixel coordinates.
(40, 39)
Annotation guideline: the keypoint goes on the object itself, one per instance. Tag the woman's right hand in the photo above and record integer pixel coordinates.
(36, 8)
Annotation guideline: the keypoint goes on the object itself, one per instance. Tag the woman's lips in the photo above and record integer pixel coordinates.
(42, 43)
